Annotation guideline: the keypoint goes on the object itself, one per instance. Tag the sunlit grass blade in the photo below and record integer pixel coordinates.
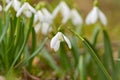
(93, 55)
(75, 51)
(82, 68)
(108, 54)
(95, 36)
(23, 45)
(5, 28)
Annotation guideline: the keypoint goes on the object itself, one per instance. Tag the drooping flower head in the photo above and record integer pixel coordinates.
(43, 20)
(13, 3)
(26, 9)
(64, 10)
(59, 37)
(96, 14)
(76, 17)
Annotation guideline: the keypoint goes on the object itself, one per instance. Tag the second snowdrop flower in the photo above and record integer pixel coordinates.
(26, 9)
(95, 15)
(59, 37)
(64, 10)
(76, 17)
(13, 3)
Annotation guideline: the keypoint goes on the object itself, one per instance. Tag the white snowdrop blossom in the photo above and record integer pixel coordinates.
(26, 9)
(0, 8)
(94, 15)
(76, 18)
(44, 20)
(47, 15)
(59, 37)
(64, 10)
(13, 3)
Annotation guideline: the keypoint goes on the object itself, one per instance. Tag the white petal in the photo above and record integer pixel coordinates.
(76, 18)
(57, 45)
(56, 11)
(16, 5)
(0, 8)
(65, 12)
(67, 41)
(54, 41)
(19, 12)
(27, 13)
(25, 9)
(45, 28)
(47, 15)
(92, 16)
(8, 6)
(103, 18)
(37, 27)
(31, 8)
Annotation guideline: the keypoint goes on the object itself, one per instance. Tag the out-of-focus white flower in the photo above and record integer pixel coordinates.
(43, 27)
(64, 10)
(39, 17)
(59, 37)
(7, 1)
(0, 8)
(26, 9)
(47, 15)
(13, 3)
(43, 20)
(95, 15)
(76, 17)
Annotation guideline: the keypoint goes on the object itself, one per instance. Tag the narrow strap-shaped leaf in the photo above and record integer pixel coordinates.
(82, 68)
(95, 36)
(93, 54)
(5, 28)
(108, 51)
(64, 60)
(23, 45)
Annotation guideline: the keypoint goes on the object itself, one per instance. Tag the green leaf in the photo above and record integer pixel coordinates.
(82, 68)
(23, 45)
(64, 60)
(93, 55)
(5, 28)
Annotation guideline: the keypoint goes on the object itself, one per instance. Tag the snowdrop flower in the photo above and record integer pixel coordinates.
(0, 8)
(47, 15)
(26, 9)
(94, 15)
(7, 1)
(64, 10)
(39, 17)
(13, 3)
(42, 21)
(43, 27)
(76, 17)
(59, 37)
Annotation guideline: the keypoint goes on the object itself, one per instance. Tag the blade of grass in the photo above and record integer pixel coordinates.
(23, 45)
(5, 28)
(64, 60)
(93, 54)
(82, 68)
